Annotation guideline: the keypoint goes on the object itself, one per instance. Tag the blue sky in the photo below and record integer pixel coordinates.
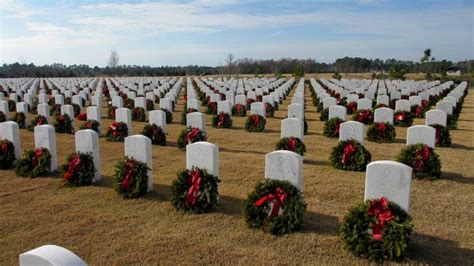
(203, 32)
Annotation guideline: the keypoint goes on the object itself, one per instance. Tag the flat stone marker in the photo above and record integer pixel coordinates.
(434, 117)
(338, 111)
(124, 115)
(204, 155)
(285, 165)
(138, 147)
(9, 130)
(87, 141)
(421, 134)
(292, 127)
(196, 119)
(383, 115)
(391, 180)
(403, 105)
(352, 130)
(45, 137)
(258, 108)
(50, 255)
(158, 117)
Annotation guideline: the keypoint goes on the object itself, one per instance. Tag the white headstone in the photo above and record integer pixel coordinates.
(45, 138)
(158, 117)
(87, 141)
(296, 110)
(352, 130)
(258, 108)
(50, 255)
(285, 165)
(93, 113)
(197, 120)
(193, 103)
(68, 110)
(421, 134)
(124, 115)
(44, 110)
(292, 127)
(402, 105)
(4, 109)
(338, 111)
(445, 106)
(9, 130)
(166, 104)
(117, 101)
(434, 117)
(383, 115)
(364, 104)
(138, 147)
(203, 155)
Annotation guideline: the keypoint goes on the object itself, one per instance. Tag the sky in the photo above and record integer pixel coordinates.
(204, 32)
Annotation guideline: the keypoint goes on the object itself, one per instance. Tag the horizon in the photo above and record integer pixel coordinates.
(183, 33)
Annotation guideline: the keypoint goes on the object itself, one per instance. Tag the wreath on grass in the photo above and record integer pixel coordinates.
(79, 169)
(77, 109)
(131, 178)
(324, 115)
(20, 119)
(442, 137)
(195, 190)
(381, 132)
(139, 114)
(350, 155)
(63, 124)
(3, 117)
(332, 127)
(155, 134)
(34, 163)
(364, 116)
(402, 119)
(239, 110)
(111, 112)
(351, 108)
(91, 124)
(291, 144)
(184, 113)
(211, 108)
(117, 131)
(255, 123)
(169, 115)
(129, 103)
(7, 154)
(249, 102)
(275, 206)
(269, 110)
(222, 120)
(149, 105)
(423, 159)
(377, 229)
(190, 135)
(452, 122)
(37, 121)
(55, 110)
(82, 116)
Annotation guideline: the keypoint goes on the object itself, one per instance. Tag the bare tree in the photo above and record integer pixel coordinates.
(230, 63)
(114, 59)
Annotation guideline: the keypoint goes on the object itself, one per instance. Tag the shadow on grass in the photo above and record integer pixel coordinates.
(317, 162)
(462, 147)
(312, 133)
(431, 249)
(271, 131)
(242, 151)
(399, 141)
(457, 178)
(463, 129)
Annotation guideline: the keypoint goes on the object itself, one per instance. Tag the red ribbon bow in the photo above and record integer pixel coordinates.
(381, 129)
(379, 209)
(422, 156)
(192, 134)
(194, 180)
(255, 119)
(239, 107)
(401, 116)
(72, 167)
(40, 121)
(3, 148)
(292, 142)
(221, 119)
(278, 197)
(129, 174)
(36, 157)
(349, 150)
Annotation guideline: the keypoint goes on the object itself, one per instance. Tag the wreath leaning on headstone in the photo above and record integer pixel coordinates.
(332, 127)
(381, 132)
(91, 124)
(79, 169)
(350, 155)
(364, 116)
(255, 123)
(190, 135)
(63, 124)
(377, 229)
(402, 119)
(117, 131)
(269, 110)
(239, 110)
(139, 114)
(3, 117)
(111, 112)
(291, 144)
(184, 114)
(222, 120)
(37, 121)
(20, 119)
(34, 163)
(195, 190)
(155, 134)
(442, 137)
(422, 159)
(131, 178)
(7, 154)
(275, 206)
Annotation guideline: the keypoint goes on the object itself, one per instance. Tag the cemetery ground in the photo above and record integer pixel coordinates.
(103, 228)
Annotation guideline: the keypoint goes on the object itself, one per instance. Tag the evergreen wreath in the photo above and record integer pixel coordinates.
(131, 178)
(269, 110)
(377, 229)
(55, 110)
(185, 112)
(7, 154)
(195, 190)
(222, 120)
(350, 155)
(275, 206)
(37, 121)
(63, 124)
(381, 132)
(77, 109)
(422, 159)
(291, 144)
(91, 124)
(442, 137)
(190, 135)
(129, 103)
(139, 114)
(20, 119)
(211, 108)
(255, 123)
(111, 112)
(364, 116)
(149, 105)
(332, 127)
(34, 163)
(239, 110)
(79, 169)
(402, 119)
(3, 117)
(117, 131)
(351, 107)
(249, 102)
(324, 115)
(169, 115)
(11, 105)
(155, 134)
(82, 116)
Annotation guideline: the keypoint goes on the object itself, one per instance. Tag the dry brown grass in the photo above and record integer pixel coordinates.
(102, 228)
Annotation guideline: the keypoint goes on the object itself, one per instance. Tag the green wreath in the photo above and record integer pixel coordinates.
(3, 117)
(190, 135)
(381, 132)
(452, 122)
(350, 155)
(7, 154)
(323, 116)
(422, 159)
(332, 127)
(362, 233)
(117, 131)
(139, 114)
(149, 105)
(364, 116)
(184, 114)
(269, 110)
(11, 105)
(239, 110)
(169, 115)
(131, 178)
(111, 112)
(91, 124)
(34, 163)
(351, 108)
(36, 121)
(129, 103)
(77, 109)
(79, 169)
(55, 110)
(222, 120)
(443, 138)
(255, 123)
(211, 108)
(20, 119)
(291, 144)
(275, 206)
(155, 134)
(402, 119)
(63, 124)
(195, 190)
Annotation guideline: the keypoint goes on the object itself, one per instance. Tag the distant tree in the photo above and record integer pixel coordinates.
(336, 75)
(113, 61)
(397, 71)
(230, 64)
(298, 72)
(258, 70)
